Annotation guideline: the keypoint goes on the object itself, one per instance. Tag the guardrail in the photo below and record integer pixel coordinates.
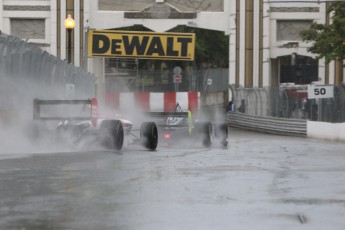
(274, 125)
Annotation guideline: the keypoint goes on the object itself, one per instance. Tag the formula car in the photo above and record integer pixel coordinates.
(181, 126)
(79, 120)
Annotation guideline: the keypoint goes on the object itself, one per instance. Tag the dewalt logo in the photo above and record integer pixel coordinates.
(149, 45)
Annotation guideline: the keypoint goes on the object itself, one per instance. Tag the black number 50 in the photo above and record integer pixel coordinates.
(321, 91)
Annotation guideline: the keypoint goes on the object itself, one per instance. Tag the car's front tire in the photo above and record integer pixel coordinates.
(149, 135)
(222, 134)
(204, 131)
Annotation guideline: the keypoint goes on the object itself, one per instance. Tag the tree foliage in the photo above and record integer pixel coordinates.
(211, 47)
(328, 40)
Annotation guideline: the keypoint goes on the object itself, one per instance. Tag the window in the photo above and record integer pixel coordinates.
(289, 30)
(28, 28)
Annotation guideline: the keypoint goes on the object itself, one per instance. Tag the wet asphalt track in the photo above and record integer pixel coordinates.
(259, 182)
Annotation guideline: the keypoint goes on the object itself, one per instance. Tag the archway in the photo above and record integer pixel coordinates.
(298, 69)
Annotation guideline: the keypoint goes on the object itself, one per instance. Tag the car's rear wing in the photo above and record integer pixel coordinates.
(167, 114)
(187, 115)
(92, 115)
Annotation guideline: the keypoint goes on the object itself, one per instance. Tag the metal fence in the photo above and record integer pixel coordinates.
(210, 80)
(28, 72)
(289, 102)
(274, 125)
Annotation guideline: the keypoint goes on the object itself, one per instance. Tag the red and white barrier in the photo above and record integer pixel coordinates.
(153, 102)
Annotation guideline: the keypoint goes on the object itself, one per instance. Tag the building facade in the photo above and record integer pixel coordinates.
(265, 47)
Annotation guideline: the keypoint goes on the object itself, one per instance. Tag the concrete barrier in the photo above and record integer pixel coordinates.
(326, 131)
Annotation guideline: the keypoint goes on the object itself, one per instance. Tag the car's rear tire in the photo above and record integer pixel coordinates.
(222, 134)
(112, 134)
(149, 135)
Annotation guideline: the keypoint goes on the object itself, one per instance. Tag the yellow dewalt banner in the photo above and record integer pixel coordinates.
(135, 44)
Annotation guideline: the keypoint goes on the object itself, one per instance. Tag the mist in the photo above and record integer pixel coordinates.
(17, 132)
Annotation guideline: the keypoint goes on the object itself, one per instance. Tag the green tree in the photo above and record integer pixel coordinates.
(211, 47)
(328, 40)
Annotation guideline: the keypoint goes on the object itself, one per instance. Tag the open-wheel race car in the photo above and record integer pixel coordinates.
(181, 126)
(78, 120)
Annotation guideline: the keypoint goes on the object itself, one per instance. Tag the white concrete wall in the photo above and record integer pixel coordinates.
(326, 131)
(276, 46)
(114, 19)
(7, 15)
(232, 43)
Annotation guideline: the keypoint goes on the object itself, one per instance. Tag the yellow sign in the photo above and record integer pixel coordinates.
(134, 44)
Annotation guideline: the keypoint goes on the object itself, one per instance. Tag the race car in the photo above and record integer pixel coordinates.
(180, 126)
(83, 122)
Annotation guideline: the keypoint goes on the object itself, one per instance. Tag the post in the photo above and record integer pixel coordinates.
(69, 24)
(69, 45)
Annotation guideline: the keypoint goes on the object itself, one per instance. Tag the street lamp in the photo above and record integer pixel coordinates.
(69, 24)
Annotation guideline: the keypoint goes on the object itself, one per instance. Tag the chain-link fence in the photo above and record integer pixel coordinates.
(28, 72)
(289, 102)
(210, 80)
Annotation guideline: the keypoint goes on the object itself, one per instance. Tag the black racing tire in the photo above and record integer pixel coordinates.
(204, 132)
(222, 134)
(112, 134)
(149, 135)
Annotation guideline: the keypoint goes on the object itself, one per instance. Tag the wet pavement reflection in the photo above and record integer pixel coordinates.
(261, 180)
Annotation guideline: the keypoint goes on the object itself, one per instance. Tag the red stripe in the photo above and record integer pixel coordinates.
(142, 100)
(193, 101)
(112, 100)
(169, 101)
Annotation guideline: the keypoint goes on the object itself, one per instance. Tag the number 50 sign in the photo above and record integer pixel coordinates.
(320, 91)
